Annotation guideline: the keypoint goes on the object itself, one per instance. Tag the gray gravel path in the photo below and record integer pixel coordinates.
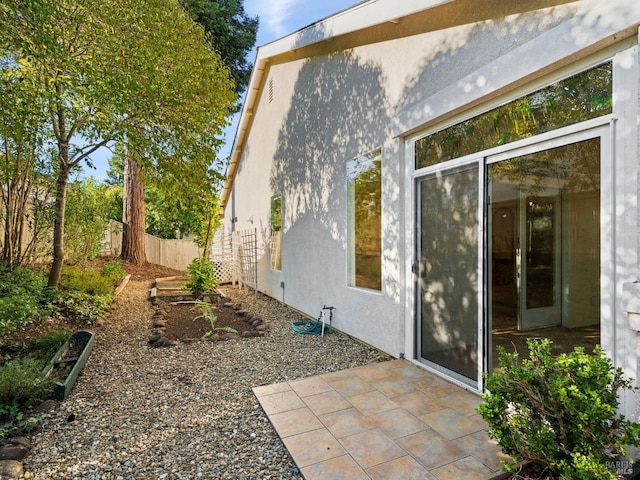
(184, 412)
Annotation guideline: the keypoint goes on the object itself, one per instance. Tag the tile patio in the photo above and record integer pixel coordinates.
(390, 420)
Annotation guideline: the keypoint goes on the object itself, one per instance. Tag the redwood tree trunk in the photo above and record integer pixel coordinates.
(133, 212)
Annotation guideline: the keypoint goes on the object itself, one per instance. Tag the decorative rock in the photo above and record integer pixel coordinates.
(13, 452)
(10, 469)
(241, 312)
(215, 337)
(262, 328)
(160, 341)
(22, 440)
(189, 341)
(160, 323)
(230, 336)
(256, 322)
(250, 334)
(47, 406)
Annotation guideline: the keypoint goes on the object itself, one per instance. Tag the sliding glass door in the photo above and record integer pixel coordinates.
(448, 272)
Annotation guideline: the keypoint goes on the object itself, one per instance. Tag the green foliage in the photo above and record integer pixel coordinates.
(19, 383)
(202, 276)
(231, 33)
(113, 272)
(86, 220)
(22, 294)
(20, 389)
(559, 412)
(207, 312)
(80, 306)
(76, 279)
(46, 346)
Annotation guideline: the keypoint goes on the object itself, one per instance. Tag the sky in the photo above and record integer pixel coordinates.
(278, 18)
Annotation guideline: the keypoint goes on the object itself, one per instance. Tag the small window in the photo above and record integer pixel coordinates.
(364, 193)
(276, 232)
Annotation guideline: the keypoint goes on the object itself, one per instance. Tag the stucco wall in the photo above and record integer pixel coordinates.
(335, 106)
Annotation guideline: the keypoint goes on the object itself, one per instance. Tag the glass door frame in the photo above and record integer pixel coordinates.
(422, 175)
(602, 127)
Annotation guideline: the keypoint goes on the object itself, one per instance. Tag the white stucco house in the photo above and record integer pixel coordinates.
(450, 176)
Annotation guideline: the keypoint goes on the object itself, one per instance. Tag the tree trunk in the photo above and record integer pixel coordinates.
(58, 226)
(133, 212)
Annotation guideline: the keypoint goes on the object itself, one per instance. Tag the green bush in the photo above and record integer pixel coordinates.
(113, 271)
(76, 279)
(20, 385)
(22, 294)
(80, 306)
(46, 346)
(202, 276)
(559, 412)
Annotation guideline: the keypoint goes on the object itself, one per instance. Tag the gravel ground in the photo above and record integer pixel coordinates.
(184, 412)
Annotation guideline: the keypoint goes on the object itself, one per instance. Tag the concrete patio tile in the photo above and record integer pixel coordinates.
(371, 372)
(271, 389)
(310, 386)
(371, 403)
(371, 448)
(346, 422)
(398, 423)
(431, 449)
(393, 386)
(467, 468)
(395, 363)
(281, 402)
(436, 390)
(483, 448)
(326, 402)
(418, 404)
(403, 468)
(450, 424)
(350, 386)
(462, 402)
(339, 375)
(411, 373)
(429, 382)
(294, 422)
(313, 447)
(339, 468)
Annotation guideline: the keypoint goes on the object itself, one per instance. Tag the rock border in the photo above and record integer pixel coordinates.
(158, 338)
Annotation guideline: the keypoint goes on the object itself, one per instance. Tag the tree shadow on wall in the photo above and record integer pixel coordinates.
(338, 112)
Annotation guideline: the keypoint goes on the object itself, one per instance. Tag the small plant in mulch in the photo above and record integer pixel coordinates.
(206, 312)
(560, 414)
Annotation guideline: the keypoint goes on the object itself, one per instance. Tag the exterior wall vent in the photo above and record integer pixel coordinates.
(270, 90)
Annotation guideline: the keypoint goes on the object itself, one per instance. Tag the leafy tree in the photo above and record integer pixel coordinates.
(86, 219)
(23, 177)
(109, 70)
(230, 31)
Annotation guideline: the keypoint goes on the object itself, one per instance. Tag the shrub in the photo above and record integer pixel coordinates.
(202, 276)
(76, 279)
(21, 296)
(113, 271)
(559, 413)
(81, 306)
(20, 385)
(46, 346)
(20, 389)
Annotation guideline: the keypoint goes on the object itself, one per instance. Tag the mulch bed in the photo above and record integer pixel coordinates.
(182, 322)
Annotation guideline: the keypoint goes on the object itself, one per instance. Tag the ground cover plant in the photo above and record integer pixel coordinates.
(560, 414)
(30, 316)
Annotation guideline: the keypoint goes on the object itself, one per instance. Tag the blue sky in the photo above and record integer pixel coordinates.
(277, 19)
